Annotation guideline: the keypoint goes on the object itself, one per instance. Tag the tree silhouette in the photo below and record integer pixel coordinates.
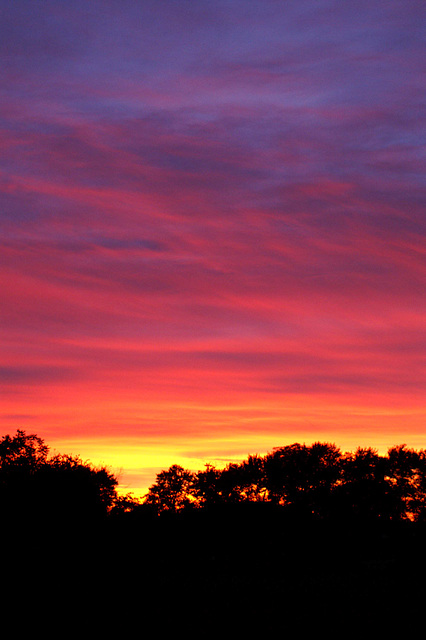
(303, 477)
(317, 481)
(76, 489)
(205, 486)
(172, 490)
(272, 536)
(254, 487)
(404, 475)
(233, 484)
(22, 451)
(36, 488)
(418, 504)
(21, 457)
(365, 493)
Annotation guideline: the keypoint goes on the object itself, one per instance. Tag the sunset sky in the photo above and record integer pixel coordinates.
(212, 226)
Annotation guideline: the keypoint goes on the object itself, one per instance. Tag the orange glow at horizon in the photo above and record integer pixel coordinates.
(137, 439)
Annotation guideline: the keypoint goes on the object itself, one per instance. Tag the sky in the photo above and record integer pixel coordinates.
(212, 227)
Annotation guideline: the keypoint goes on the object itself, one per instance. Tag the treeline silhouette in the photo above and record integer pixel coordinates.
(317, 482)
(301, 534)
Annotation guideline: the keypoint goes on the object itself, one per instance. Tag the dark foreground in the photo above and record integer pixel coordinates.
(250, 571)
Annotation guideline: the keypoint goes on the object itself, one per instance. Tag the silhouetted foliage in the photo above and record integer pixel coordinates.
(125, 504)
(38, 488)
(303, 477)
(317, 481)
(205, 488)
(75, 488)
(172, 489)
(406, 477)
(303, 533)
(22, 451)
(364, 493)
(233, 484)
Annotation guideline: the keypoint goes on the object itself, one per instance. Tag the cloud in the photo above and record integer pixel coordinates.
(218, 205)
(34, 375)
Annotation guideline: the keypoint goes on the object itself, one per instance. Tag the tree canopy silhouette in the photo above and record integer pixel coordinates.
(266, 530)
(318, 481)
(22, 451)
(57, 488)
(172, 490)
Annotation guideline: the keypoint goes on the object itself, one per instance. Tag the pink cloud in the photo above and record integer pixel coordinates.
(212, 225)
